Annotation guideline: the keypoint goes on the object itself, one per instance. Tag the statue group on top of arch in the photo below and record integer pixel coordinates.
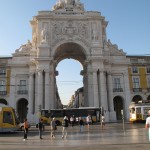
(61, 4)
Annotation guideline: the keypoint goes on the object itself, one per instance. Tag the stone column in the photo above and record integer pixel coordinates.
(39, 90)
(89, 79)
(31, 92)
(47, 90)
(52, 85)
(95, 89)
(12, 92)
(103, 91)
(112, 114)
(127, 95)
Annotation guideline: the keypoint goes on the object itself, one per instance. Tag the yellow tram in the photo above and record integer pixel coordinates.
(139, 112)
(8, 119)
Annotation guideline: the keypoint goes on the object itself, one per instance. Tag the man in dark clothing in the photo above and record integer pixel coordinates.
(65, 125)
(40, 125)
(81, 123)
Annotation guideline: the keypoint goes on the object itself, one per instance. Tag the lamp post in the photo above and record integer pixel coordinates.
(123, 123)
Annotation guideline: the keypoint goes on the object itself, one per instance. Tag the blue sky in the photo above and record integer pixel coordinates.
(128, 27)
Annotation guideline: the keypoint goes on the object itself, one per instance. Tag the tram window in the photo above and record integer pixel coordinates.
(132, 110)
(45, 113)
(138, 110)
(7, 117)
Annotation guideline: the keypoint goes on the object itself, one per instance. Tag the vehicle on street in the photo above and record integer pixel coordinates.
(139, 111)
(76, 112)
(9, 121)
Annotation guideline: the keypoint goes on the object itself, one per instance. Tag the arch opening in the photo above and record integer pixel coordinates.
(70, 58)
(3, 101)
(118, 106)
(22, 109)
(136, 98)
(70, 50)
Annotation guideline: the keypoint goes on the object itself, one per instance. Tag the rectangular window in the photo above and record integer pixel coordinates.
(148, 69)
(2, 71)
(136, 83)
(148, 81)
(135, 70)
(2, 85)
(117, 84)
(22, 86)
(8, 117)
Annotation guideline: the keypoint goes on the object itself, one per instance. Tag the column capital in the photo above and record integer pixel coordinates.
(31, 73)
(52, 73)
(109, 72)
(94, 70)
(47, 70)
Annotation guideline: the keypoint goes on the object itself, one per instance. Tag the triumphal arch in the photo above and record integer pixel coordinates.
(69, 31)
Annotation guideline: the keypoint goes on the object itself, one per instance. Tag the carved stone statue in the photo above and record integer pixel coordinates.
(44, 35)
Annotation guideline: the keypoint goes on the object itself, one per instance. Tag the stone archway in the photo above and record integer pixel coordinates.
(118, 106)
(22, 109)
(136, 98)
(70, 50)
(74, 51)
(3, 101)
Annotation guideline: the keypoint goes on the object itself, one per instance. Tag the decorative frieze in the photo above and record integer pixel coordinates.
(64, 30)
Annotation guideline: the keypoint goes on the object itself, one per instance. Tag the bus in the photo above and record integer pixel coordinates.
(8, 119)
(76, 112)
(139, 111)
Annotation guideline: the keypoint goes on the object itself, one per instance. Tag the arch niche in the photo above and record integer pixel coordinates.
(71, 50)
(136, 98)
(3, 101)
(118, 106)
(22, 109)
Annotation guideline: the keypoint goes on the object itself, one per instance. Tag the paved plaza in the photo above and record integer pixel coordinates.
(111, 137)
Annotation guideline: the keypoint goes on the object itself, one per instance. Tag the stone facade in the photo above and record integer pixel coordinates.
(68, 31)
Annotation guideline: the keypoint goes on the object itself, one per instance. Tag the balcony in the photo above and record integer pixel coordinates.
(137, 89)
(117, 90)
(3, 93)
(22, 92)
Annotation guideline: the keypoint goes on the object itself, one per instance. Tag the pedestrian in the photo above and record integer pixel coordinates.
(41, 127)
(77, 120)
(88, 120)
(81, 123)
(72, 121)
(53, 128)
(25, 126)
(147, 125)
(65, 126)
(102, 121)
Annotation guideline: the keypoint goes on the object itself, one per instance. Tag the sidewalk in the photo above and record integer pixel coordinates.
(112, 137)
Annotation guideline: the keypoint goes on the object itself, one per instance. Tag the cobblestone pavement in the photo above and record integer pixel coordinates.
(135, 136)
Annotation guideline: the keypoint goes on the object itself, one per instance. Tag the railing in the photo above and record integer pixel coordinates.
(2, 73)
(3, 92)
(22, 92)
(117, 90)
(137, 89)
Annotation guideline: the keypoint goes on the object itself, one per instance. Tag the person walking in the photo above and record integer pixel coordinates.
(102, 121)
(65, 126)
(88, 120)
(81, 123)
(72, 121)
(25, 126)
(147, 124)
(53, 128)
(41, 127)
